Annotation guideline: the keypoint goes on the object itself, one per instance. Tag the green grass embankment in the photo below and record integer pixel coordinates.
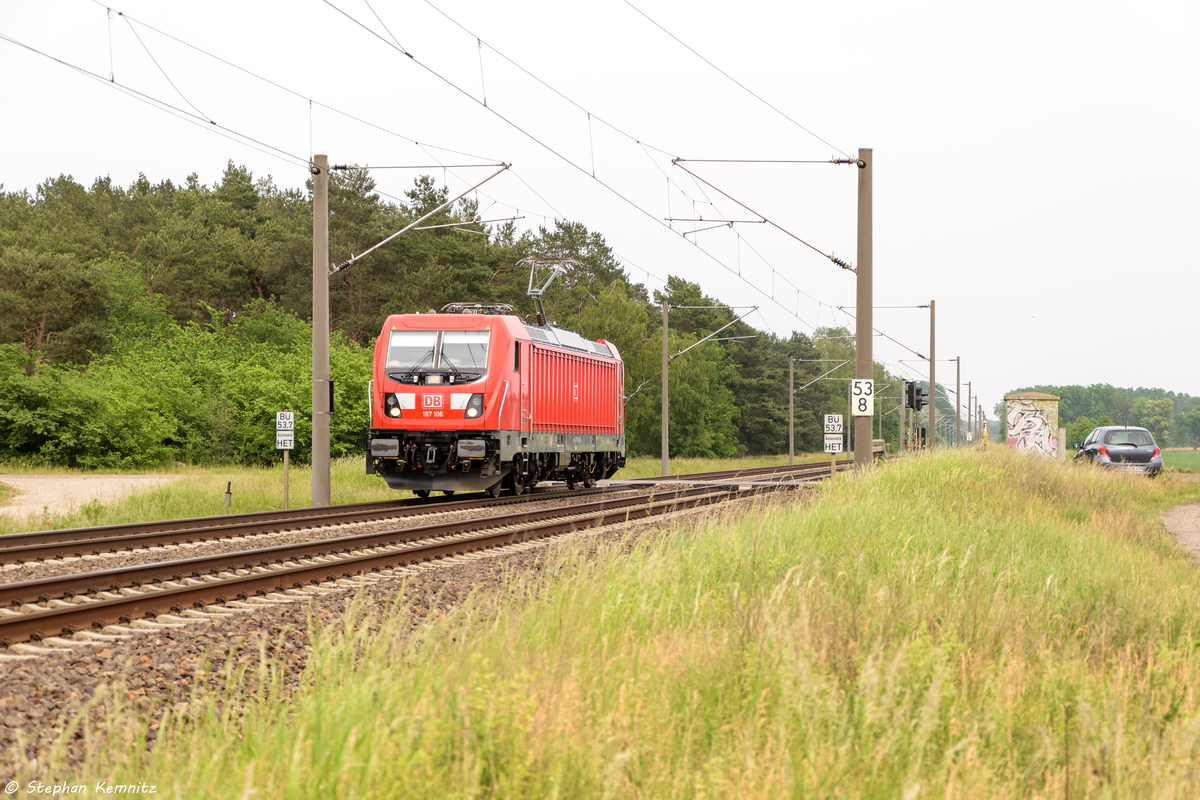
(1184, 460)
(956, 624)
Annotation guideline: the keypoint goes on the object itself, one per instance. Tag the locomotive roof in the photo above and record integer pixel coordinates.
(565, 338)
(549, 334)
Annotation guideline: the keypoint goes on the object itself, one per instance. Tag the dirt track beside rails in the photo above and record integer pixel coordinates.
(1184, 521)
(59, 494)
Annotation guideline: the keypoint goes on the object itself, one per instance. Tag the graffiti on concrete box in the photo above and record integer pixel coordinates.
(1033, 423)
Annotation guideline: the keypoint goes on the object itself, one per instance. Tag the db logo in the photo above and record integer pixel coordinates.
(432, 401)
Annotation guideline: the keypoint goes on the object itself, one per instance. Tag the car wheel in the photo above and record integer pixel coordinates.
(421, 492)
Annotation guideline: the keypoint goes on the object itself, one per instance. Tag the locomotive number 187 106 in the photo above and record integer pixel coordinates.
(475, 398)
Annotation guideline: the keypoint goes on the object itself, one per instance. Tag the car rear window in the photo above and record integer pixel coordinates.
(1138, 438)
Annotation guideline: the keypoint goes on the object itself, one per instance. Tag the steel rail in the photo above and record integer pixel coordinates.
(75, 542)
(159, 600)
(780, 472)
(66, 586)
(16, 540)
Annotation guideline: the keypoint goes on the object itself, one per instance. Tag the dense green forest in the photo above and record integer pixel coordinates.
(160, 323)
(1173, 418)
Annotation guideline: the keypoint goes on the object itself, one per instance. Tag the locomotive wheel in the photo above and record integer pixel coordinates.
(589, 480)
(516, 478)
(571, 484)
(421, 492)
(494, 491)
(448, 492)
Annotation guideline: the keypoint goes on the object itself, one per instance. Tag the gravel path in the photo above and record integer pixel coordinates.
(1184, 523)
(58, 494)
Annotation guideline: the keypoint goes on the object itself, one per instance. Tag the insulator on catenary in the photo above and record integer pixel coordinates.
(841, 263)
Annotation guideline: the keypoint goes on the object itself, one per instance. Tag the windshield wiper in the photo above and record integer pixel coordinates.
(409, 376)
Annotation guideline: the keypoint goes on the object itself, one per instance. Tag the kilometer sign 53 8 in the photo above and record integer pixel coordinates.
(862, 397)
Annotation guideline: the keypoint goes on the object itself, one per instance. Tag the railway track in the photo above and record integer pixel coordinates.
(19, 548)
(81, 602)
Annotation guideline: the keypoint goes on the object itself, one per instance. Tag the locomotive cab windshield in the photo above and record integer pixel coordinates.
(433, 357)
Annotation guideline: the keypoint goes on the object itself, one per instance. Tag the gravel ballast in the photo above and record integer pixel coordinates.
(163, 667)
(31, 570)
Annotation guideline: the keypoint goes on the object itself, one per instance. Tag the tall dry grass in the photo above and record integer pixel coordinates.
(961, 624)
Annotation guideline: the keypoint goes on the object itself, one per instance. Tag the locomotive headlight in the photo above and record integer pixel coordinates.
(475, 406)
(392, 405)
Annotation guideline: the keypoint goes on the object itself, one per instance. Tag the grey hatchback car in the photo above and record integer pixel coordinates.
(1120, 447)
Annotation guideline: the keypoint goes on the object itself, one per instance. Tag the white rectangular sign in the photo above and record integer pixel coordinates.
(285, 420)
(862, 397)
(285, 440)
(833, 423)
(833, 443)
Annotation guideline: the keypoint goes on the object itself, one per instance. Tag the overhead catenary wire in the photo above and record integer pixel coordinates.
(564, 158)
(496, 113)
(291, 91)
(730, 77)
(550, 149)
(157, 103)
(178, 91)
(841, 263)
(245, 141)
(250, 141)
(384, 24)
(564, 97)
(426, 146)
(399, 46)
(881, 333)
(162, 105)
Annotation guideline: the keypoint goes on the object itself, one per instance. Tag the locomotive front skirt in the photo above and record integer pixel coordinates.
(483, 401)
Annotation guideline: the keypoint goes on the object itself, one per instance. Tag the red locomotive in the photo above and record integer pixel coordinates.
(473, 398)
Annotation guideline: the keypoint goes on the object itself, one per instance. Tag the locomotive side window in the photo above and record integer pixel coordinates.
(516, 356)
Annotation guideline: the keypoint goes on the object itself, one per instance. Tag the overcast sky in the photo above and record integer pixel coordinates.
(1034, 164)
